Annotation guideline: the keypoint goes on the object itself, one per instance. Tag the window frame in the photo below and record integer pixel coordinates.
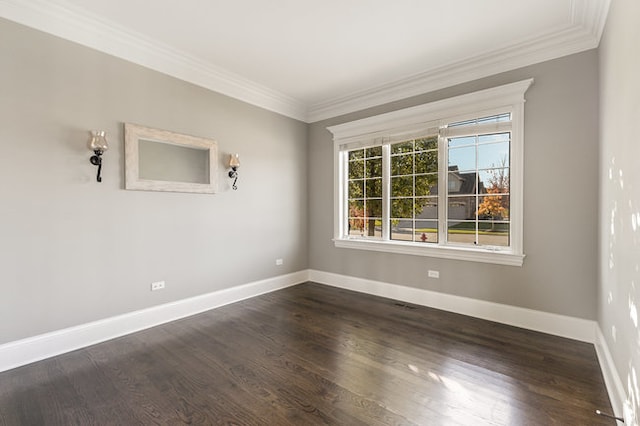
(423, 120)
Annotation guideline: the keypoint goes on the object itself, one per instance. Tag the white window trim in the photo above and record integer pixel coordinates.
(506, 98)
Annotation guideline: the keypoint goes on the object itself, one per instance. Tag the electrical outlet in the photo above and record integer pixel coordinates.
(433, 274)
(279, 262)
(158, 285)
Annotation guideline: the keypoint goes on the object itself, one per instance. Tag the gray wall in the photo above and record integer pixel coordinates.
(560, 200)
(73, 250)
(620, 192)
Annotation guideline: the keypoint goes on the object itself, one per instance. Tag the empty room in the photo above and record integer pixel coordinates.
(319, 213)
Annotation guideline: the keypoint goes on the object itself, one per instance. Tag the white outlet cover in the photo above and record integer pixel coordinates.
(158, 285)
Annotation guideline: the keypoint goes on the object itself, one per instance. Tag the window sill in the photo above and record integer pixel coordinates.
(443, 252)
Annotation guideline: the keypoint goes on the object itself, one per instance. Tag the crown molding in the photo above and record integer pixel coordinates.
(588, 18)
(584, 31)
(65, 21)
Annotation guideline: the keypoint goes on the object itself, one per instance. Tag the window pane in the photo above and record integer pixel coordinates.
(496, 118)
(370, 228)
(356, 228)
(365, 228)
(494, 181)
(426, 208)
(356, 169)
(373, 168)
(356, 208)
(491, 233)
(356, 189)
(426, 231)
(401, 165)
(356, 217)
(426, 185)
(428, 143)
(463, 141)
(365, 217)
(356, 154)
(402, 147)
(463, 123)
(461, 232)
(426, 162)
(493, 155)
(402, 208)
(374, 208)
(462, 208)
(494, 137)
(462, 158)
(484, 120)
(377, 230)
(374, 152)
(402, 186)
(402, 230)
(493, 207)
(462, 183)
(373, 188)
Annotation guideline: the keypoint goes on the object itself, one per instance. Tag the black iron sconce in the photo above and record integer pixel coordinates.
(98, 144)
(234, 163)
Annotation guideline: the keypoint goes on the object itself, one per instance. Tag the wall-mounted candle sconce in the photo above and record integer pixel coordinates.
(234, 163)
(98, 144)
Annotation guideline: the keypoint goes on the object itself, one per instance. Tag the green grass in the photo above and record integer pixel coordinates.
(500, 229)
(463, 231)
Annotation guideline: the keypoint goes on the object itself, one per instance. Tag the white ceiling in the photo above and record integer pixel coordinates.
(316, 59)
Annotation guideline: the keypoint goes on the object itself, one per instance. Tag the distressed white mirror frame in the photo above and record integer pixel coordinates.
(134, 134)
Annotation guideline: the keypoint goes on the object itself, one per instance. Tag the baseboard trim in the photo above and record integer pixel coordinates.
(615, 387)
(558, 325)
(25, 351)
(32, 349)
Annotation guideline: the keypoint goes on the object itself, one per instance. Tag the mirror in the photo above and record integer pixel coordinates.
(159, 160)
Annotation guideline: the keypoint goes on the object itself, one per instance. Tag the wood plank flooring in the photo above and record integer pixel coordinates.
(315, 355)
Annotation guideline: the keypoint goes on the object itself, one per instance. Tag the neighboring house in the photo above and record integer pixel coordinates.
(462, 206)
(461, 187)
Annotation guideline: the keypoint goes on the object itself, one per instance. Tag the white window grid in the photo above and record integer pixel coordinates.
(428, 119)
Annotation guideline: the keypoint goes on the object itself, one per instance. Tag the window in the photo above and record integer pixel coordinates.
(365, 192)
(414, 190)
(442, 179)
(478, 202)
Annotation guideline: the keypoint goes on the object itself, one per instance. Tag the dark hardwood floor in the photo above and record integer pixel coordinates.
(312, 355)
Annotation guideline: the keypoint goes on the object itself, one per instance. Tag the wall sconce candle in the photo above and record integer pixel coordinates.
(234, 163)
(98, 144)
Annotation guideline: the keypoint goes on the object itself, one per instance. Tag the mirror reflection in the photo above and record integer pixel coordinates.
(172, 163)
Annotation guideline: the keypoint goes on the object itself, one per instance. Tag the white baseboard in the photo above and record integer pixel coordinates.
(615, 387)
(32, 349)
(26, 351)
(558, 325)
